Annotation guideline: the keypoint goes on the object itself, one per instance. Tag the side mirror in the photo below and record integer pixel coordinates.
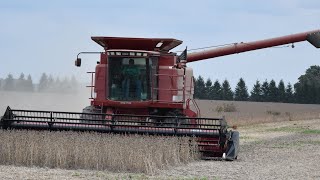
(78, 62)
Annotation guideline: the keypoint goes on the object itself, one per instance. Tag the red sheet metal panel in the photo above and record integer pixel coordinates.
(248, 46)
(148, 44)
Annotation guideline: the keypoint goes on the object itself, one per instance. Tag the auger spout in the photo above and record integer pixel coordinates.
(312, 36)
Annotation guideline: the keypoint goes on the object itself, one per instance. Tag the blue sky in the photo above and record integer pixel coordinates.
(45, 36)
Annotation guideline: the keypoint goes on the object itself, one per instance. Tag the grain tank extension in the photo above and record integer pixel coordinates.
(140, 87)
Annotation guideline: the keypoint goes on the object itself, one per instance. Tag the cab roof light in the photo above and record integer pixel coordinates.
(159, 44)
(112, 53)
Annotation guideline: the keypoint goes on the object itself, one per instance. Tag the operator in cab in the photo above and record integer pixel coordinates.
(131, 84)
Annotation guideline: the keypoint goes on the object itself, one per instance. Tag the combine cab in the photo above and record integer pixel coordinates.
(140, 87)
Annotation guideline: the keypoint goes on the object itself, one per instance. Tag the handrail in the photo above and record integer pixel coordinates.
(197, 107)
(183, 89)
(92, 84)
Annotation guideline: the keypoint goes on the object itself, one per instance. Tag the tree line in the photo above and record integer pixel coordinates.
(47, 83)
(306, 90)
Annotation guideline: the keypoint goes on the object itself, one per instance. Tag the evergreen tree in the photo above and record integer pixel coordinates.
(200, 88)
(43, 83)
(216, 91)
(281, 92)
(273, 91)
(29, 84)
(289, 98)
(50, 80)
(313, 93)
(21, 77)
(265, 92)
(58, 84)
(51, 85)
(20, 86)
(9, 83)
(208, 89)
(256, 93)
(307, 89)
(66, 86)
(227, 93)
(75, 84)
(301, 92)
(241, 91)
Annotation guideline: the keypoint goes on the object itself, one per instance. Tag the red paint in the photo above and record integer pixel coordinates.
(103, 59)
(147, 44)
(170, 75)
(100, 82)
(249, 46)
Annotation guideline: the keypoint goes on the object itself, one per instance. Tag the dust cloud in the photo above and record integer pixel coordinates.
(71, 102)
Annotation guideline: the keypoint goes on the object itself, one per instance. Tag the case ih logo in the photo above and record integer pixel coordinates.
(125, 102)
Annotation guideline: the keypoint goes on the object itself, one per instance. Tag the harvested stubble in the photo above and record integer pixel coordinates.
(118, 153)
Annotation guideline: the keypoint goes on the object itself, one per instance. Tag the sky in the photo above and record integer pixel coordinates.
(45, 36)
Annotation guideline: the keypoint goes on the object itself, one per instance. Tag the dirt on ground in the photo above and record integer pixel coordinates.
(278, 150)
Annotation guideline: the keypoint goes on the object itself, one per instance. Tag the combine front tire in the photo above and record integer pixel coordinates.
(90, 115)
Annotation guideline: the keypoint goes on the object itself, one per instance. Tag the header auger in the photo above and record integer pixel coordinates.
(140, 87)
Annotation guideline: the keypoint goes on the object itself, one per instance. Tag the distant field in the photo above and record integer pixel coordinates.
(259, 112)
(246, 112)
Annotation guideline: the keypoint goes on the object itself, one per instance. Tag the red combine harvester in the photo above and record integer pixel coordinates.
(140, 87)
